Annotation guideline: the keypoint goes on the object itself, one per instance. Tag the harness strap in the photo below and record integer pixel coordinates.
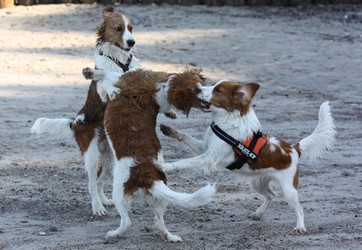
(125, 67)
(224, 136)
(238, 163)
(247, 151)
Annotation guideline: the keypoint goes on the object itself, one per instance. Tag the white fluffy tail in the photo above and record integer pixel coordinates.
(200, 197)
(323, 136)
(54, 127)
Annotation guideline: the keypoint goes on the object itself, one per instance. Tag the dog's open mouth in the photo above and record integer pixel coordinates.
(204, 106)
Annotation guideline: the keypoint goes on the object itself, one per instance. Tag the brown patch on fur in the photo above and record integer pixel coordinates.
(131, 118)
(297, 148)
(100, 169)
(241, 95)
(93, 110)
(143, 175)
(275, 156)
(181, 91)
(112, 28)
(296, 180)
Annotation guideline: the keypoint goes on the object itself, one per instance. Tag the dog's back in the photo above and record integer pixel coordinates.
(131, 118)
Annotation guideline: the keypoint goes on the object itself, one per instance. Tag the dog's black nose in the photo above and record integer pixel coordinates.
(130, 43)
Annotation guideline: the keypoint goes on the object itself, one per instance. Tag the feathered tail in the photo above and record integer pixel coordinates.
(198, 198)
(323, 136)
(54, 127)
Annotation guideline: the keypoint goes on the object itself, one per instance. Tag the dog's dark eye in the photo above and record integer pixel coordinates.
(217, 90)
(118, 29)
(130, 29)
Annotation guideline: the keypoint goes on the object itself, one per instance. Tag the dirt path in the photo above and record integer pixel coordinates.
(300, 57)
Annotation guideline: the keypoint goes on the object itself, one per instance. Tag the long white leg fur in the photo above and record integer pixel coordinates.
(122, 202)
(106, 83)
(91, 163)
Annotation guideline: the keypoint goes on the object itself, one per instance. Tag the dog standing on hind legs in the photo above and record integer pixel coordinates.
(130, 125)
(113, 52)
(234, 141)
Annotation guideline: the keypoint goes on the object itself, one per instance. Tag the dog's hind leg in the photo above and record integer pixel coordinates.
(262, 186)
(160, 209)
(122, 204)
(291, 196)
(100, 184)
(121, 201)
(91, 162)
(104, 171)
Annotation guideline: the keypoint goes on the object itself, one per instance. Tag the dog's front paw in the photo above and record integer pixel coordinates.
(88, 73)
(171, 114)
(112, 92)
(170, 132)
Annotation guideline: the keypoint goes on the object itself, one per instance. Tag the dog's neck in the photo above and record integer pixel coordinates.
(240, 127)
(108, 50)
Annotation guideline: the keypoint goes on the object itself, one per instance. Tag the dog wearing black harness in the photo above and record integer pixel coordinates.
(247, 151)
(234, 142)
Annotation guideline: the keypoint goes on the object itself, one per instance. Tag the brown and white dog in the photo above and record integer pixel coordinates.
(234, 121)
(130, 125)
(113, 52)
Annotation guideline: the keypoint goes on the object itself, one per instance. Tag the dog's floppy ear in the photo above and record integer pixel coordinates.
(247, 91)
(107, 10)
(181, 90)
(102, 27)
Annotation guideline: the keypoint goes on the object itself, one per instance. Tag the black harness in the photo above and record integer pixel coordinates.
(246, 151)
(125, 67)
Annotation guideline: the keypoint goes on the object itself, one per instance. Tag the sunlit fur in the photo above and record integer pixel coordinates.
(232, 112)
(130, 123)
(114, 37)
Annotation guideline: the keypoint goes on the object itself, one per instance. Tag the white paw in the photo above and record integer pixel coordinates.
(112, 92)
(108, 202)
(173, 238)
(300, 230)
(99, 210)
(255, 216)
(112, 233)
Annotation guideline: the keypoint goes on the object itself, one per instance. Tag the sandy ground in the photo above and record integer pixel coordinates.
(301, 58)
